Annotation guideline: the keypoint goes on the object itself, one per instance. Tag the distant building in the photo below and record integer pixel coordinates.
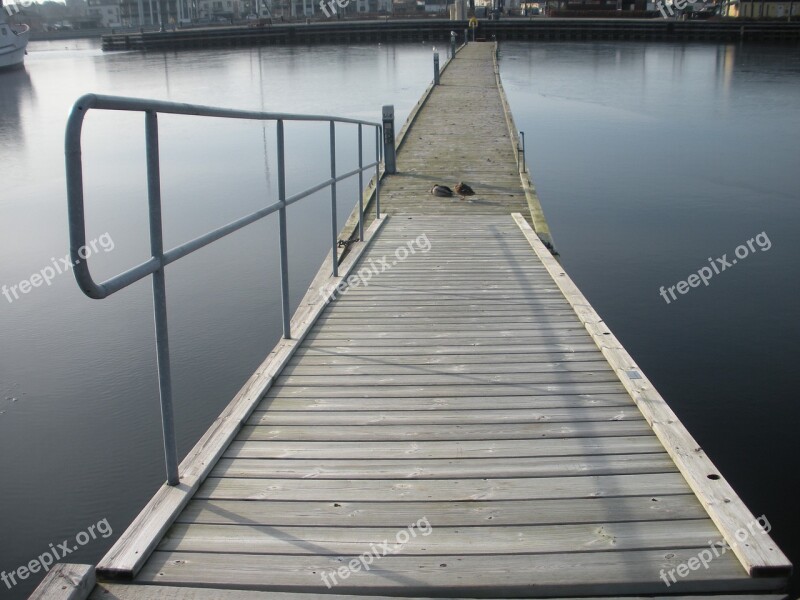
(106, 13)
(758, 9)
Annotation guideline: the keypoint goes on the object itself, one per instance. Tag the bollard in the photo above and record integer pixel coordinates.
(452, 44)
(435, 68)
(389, 156)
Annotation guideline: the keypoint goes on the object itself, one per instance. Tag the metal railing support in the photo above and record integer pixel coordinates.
(334, 228)
(377, 174)
(159, 259)
(283, 236)
(522, 165)
(360, 185)
(160, 298)
(435, 68)
(389, 152)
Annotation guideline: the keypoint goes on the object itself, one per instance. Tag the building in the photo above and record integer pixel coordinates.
(106, 13)
(760, 9)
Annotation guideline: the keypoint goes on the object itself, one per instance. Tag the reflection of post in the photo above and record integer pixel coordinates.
(389, 156)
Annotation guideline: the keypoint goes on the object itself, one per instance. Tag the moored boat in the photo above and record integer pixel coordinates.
(13, 41)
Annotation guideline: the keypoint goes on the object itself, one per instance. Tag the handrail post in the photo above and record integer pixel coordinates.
(389, 152)
(435, 68)
(284, 248)
(160, 298)
(334, 228)
(360, 185)
(523, 166)
(377, 173)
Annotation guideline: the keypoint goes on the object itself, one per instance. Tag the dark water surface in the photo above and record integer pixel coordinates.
(648, 158)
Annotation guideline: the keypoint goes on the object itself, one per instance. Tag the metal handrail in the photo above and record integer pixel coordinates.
(160, 258)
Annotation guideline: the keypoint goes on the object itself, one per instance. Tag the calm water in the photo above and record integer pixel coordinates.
(648, 158)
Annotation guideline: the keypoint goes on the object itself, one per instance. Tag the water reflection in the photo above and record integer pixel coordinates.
(16, 95)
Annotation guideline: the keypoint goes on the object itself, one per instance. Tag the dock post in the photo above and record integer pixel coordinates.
(435, 68)
(466, 37)
(389, 153)
(452, 45)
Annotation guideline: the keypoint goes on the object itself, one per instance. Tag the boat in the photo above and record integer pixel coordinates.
(13, 41)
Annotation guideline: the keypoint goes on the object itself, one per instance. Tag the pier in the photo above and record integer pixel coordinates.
(450, 383)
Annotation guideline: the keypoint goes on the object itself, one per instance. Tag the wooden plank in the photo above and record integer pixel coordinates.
(66, 582)
(442, 540)
(757, 552)
(332, 380)
(405, 391)
(131, 550)
(503, 431)
(500, 575)
(423, 403)
(445, 490)
(369, 416)
(446, 449)
(461, 468)
(397, 515)
(302, 367)
(446, 363)
(117, 591)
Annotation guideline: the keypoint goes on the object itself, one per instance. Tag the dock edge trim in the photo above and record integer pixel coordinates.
(128, 555)
(759, 555)
(534, 204)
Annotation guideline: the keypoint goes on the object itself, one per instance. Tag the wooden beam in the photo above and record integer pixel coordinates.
(759, 555)
(66, 582)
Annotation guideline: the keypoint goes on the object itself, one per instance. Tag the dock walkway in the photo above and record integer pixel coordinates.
(459, 414)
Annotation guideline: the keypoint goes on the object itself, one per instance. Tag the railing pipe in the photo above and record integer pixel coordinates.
(160, 298)
(159, 259)
(284, 246)
(377, 173)
(360, 185)
(334, 228)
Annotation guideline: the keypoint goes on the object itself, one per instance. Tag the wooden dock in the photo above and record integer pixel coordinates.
(462, 415)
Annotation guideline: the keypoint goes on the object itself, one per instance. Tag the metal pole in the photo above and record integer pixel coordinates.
(435, 68)
(389, 151)
(360, 186)
(160, 298)
(466, 36)
(377, 173)
(524, 166)
(334, 228)
(284, 247)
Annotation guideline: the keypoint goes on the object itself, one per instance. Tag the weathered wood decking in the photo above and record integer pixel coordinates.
(466, 390)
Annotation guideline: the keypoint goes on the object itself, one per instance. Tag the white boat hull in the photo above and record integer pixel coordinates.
(12, 47)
